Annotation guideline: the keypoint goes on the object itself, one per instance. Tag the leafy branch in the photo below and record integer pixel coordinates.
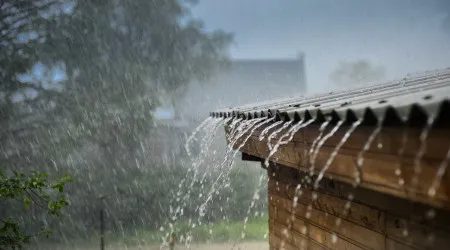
(33, 190)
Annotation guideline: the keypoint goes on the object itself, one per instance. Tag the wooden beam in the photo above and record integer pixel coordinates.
(384, 170)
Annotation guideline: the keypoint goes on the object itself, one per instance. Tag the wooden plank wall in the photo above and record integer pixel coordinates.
(384, 170)
(325, 219)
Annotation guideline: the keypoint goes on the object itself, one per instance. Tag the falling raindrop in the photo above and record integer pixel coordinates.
(422, 149)
(439, 174)
(334, 238)
(336, 149)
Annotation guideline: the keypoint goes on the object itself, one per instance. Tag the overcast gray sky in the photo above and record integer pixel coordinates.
(403, 35)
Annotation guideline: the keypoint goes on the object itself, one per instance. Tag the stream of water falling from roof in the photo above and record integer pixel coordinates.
(209, 128)
(291, 132)
(297, 191)
(276, 132)
(294, 130)
(210, 132)
(265, 130)
(191, 137)
(335, 152)
(322, 128)
(421, 152)
(255, 197)
(366, 147)
(229, 158)
(322, 141)
(399, 162)
(358, 167)
(439, 174)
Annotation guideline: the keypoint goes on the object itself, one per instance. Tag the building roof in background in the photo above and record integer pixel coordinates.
(423, 94)
(246, 80)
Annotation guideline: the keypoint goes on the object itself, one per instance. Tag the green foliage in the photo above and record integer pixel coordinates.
(118, 56)
(35, 191)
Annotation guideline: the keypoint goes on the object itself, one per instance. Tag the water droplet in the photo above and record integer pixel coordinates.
(398, 172)
(308, 215)
(334, 238)
(338, 221)
(304, 230)
(405, 232)
(432, 192)
(347, 205)
(401, 182)
(430, 238)
(380, 145)
(350, 197)
(431, 213)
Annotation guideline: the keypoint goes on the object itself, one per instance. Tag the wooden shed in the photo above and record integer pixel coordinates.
(358, 169)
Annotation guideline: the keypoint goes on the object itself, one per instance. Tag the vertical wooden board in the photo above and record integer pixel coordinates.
(412, 233)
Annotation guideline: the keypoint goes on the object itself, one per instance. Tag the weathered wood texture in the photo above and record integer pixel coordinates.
(384, 169)
(325, 219)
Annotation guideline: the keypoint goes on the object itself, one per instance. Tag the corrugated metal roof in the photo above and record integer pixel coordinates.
(423, 95)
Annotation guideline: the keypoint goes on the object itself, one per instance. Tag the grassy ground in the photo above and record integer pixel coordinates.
(204, 246)
(217, 236)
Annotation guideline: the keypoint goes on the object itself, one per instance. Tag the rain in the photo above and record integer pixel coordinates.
(194, 124)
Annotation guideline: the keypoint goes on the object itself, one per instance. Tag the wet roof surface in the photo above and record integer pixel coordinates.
(421, 95)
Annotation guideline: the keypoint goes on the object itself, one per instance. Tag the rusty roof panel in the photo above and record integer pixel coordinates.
(426, 92)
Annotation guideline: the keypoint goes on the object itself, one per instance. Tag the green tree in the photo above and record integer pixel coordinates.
(96, 125)
(34, 191)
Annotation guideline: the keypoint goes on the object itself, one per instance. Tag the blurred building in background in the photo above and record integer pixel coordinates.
(244, 81)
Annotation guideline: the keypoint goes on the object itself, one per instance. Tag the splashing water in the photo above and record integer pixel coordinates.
(291, 218)
(322, 128)
(210, 131)
(234, 128)
(252, 204)
(366, 147)
(276, 132)
(422, 150)
(291, 132)
(294, 130)
(265, 130)
(244, 128)
(439, 174)
(358, 167)
(399, 168)
(322, 141)
(231, 155)
(191, 137)
(336, 149)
